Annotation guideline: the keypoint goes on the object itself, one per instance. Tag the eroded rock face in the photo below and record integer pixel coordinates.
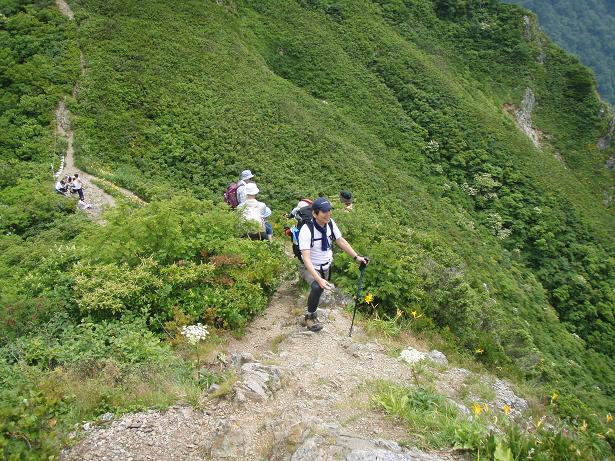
(524, 116)
(605, 142)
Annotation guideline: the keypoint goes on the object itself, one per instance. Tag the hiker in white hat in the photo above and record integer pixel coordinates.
(254, 211)
(246, 177)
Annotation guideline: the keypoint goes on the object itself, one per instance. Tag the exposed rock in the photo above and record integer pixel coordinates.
(527, 30)
(229, 441)
(505, 396)
(411, 356)
(237, 360)
(560, 158)
(335, 298)
(605, 141)
(288, 432)
(257, 382)
(542, 57)
(524, 117)
(332, 443)
(437, 357)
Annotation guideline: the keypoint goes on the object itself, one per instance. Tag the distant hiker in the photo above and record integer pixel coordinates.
(303, 202)
(61, 187)
(346, 199)
(315, 240)
(246, 177)
(235, 193)
(78, 186)
(268, 226)
(253, 210)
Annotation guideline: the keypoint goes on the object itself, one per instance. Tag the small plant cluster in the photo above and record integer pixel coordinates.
(434, 422)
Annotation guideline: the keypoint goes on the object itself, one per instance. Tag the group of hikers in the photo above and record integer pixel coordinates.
(312, 236)
(72, 185)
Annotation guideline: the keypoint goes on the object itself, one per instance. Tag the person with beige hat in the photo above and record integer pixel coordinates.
(253, 210)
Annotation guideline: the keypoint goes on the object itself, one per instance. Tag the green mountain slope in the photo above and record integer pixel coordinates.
(586, 28)
(500, 246)
(356, 94)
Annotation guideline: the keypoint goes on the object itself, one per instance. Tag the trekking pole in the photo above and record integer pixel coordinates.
(362, 269)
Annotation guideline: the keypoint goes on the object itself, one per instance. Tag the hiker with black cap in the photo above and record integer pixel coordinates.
(346, 199)
(315, 240)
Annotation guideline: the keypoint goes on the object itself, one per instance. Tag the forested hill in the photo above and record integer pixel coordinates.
(586, 28)
(496, 246)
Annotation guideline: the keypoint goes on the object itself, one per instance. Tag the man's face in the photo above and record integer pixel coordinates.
(322, 217)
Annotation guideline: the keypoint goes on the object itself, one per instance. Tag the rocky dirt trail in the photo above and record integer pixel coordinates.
(298, 396)
(96, 197)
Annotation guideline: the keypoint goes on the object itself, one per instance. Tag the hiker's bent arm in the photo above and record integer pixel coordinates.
(344, 245)
(322, 283)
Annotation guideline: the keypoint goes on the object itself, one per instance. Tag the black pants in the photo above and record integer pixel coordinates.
(315, 291)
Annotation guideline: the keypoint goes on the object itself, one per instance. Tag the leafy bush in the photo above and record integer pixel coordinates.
(44, 377)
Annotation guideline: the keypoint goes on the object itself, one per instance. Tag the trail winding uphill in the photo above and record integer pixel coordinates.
(96, 197)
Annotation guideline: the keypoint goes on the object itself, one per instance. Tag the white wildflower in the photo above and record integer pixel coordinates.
(469, 189)
(504, 233)
(195, 333)
(538, 210)
(433, 145)
(485, 181)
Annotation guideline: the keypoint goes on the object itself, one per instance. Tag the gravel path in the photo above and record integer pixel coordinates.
(324, 383)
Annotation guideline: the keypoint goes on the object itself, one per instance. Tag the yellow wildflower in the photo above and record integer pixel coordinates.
(399, 313)
(416, 315)
(539, 422)
(479, 350)
(609, 418)
(369, 298)
(506, 409)
(554, 397)
(477, 409)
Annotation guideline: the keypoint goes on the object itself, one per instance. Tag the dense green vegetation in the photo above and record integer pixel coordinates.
(586, 28)
(499, 246)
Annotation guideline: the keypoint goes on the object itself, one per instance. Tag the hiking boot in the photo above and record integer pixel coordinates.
(312, 323)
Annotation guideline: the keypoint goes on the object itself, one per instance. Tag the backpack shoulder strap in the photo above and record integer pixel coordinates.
(332, 233)
(310, 225)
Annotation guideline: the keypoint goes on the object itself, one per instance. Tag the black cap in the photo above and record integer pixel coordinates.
(345, 195)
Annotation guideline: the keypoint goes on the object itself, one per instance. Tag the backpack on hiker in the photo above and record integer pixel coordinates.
(230, 195)
(304, 218)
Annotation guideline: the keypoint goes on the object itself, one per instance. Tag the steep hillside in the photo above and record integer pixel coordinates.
(401, 104)
(498, 245)
(586, 28)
